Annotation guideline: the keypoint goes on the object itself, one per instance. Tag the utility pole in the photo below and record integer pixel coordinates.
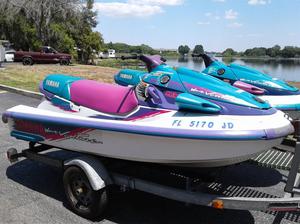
(2, 55)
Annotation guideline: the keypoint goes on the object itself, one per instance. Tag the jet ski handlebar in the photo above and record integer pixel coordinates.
(129, 57)
(197, 55)
(140, 57)
(208, 60)
(151, 61)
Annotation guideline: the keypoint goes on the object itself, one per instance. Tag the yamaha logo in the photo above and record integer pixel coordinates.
(52, 83)
(126, 76)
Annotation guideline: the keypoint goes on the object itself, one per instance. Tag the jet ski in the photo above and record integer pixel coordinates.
(171, 117)
(278, 93)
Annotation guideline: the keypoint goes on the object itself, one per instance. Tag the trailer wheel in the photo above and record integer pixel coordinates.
(27, 61)
(83, 200)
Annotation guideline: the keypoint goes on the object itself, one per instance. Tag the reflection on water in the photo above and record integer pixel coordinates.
(183, 59)
(285, 69)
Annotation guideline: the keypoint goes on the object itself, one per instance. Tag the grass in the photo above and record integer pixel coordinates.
(296, 84)
(29, 77)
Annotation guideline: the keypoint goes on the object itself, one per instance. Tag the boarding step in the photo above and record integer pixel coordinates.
(285, 160)
(275, 158)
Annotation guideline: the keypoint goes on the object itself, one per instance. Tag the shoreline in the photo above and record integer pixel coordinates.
(29, 77)
(261, 58)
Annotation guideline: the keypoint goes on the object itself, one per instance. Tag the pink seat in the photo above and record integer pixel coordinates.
(103, 97)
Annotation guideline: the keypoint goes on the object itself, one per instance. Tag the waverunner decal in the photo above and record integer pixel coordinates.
(53, 133)
(206, 92)
(266, 83)
(83, 137)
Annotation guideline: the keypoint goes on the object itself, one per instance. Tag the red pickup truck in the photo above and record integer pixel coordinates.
(46, 55)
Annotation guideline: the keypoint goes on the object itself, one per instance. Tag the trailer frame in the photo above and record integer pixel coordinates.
(100, 175)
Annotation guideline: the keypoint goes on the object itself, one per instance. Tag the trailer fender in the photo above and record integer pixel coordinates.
(94, 170)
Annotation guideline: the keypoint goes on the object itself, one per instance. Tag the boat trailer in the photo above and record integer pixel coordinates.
(97, 175)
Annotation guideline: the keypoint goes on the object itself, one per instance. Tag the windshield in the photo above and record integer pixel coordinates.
(49, 50)
(152, 61)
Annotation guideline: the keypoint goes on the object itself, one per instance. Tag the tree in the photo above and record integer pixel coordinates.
(61, 39)
(288, 52)
(273, 51)
(229, 52)
(183, 50)
(125, 48)
(110, 45)
(63, 24)
(148, 50)
(41, 13)
(198, 49)
(87, 40)
(91, 42)
(257, 51)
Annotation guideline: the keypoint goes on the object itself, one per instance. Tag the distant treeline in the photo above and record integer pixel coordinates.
(123, 48)
(276, 51)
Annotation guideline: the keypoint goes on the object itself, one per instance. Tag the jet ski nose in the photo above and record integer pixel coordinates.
(283, 130)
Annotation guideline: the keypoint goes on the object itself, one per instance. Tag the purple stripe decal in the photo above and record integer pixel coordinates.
(127, 127)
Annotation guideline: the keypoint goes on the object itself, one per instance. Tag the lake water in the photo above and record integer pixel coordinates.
(285, 69)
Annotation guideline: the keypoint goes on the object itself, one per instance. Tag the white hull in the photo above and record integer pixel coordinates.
(185, 152)
(169, 138)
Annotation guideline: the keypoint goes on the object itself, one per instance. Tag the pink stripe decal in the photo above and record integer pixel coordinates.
(147, 115)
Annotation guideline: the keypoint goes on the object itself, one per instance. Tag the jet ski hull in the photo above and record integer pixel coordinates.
(171, 143)
(172, 151)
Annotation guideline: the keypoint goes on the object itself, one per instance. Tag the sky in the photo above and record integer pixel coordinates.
(216, 24)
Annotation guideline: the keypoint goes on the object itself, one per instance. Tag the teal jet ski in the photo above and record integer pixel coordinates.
(172, 82)
(277, 93)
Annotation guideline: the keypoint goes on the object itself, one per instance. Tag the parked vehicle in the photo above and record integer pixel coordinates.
(110, 53)
(46, 55)
(9, 55)
(6, 44)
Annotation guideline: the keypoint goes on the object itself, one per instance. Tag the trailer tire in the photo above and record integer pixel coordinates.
(27, 61)
(82, 199)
